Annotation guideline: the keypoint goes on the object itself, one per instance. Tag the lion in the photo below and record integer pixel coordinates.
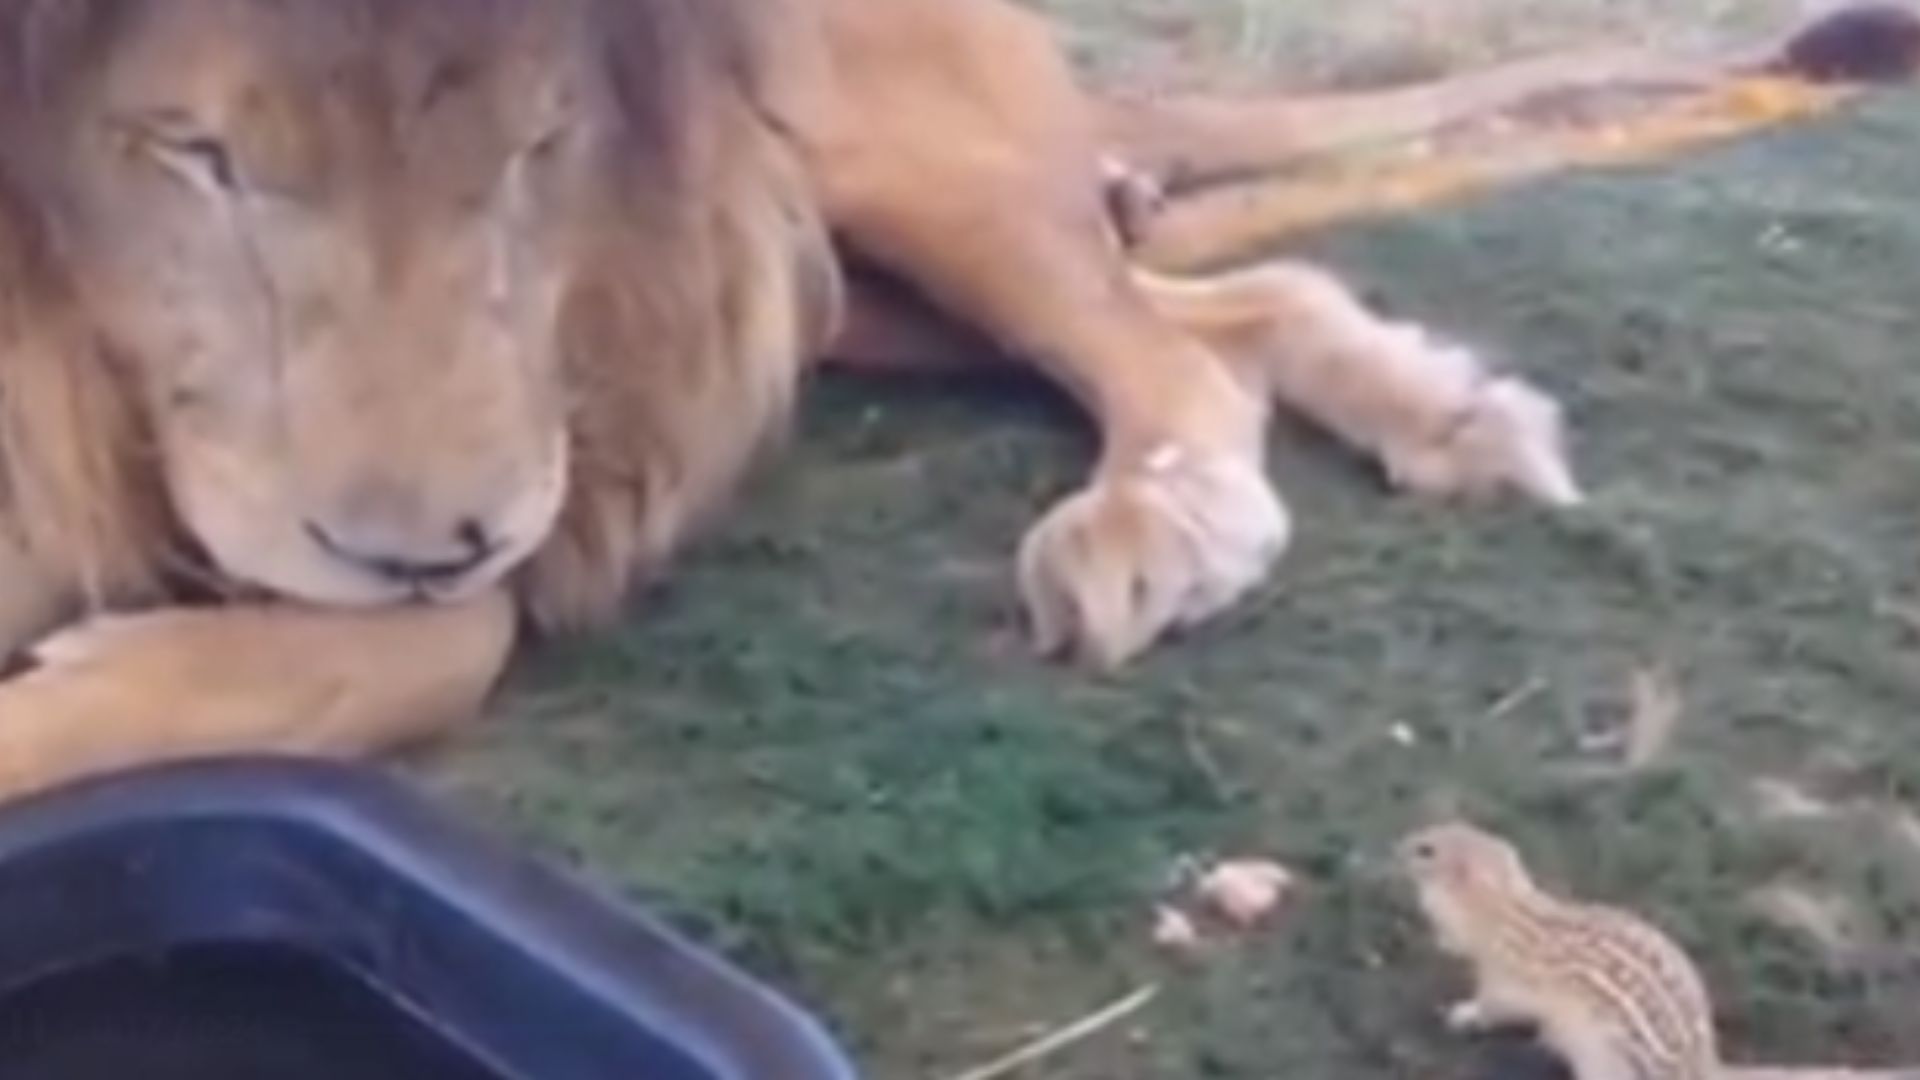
(343, 342)
(1438, 418)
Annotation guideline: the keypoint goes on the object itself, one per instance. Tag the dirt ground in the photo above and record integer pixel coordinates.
(823, 749)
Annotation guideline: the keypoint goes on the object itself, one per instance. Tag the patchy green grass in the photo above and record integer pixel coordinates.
(824, 748)
(1316, 43)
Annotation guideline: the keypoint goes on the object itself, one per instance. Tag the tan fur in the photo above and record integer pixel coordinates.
(1611, 993)
(69, 436)
(1192, 140)
(1233, 177)
(1440, 422)
(702, 244)
(1696, 107)
(314, 309)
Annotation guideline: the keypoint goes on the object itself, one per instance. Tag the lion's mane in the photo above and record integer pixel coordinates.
(710, 280)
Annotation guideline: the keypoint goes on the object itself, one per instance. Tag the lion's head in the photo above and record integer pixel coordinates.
(405, 291)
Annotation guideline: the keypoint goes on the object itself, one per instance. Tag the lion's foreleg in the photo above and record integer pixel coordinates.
(1179, 519)
(955, 153)
(128, 690)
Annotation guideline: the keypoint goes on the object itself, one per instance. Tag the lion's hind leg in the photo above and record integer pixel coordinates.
(1438, 419)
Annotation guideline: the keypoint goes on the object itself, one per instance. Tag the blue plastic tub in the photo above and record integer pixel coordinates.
(294, 920)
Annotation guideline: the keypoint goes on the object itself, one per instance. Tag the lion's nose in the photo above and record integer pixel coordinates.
(467, 545)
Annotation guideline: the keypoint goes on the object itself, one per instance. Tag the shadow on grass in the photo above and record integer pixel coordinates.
(823, 744)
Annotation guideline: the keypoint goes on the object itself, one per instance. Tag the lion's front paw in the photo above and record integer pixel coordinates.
(1141, 550)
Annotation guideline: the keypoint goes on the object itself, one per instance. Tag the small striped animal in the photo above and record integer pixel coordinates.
(1611, 994)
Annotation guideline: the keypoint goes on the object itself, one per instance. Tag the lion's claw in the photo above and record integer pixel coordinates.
(1467, 1016)
(1144, 550)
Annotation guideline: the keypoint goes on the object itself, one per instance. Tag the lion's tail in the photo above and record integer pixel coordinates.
(1191, 140)
(1231, 221)
(1218, 158)
(1816, 1073)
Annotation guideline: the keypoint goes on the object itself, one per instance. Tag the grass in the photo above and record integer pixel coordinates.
(823, 748)
(1312, 43)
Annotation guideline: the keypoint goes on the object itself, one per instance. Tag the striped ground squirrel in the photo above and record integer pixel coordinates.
(1610, 993)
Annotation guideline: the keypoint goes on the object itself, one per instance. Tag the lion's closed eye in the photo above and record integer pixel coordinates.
(549, 145)
(195, 156)
(211, 158)
(545, 155)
